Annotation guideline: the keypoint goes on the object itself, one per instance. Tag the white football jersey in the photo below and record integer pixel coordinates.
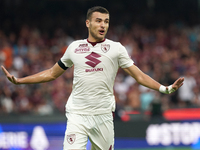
(95, 69)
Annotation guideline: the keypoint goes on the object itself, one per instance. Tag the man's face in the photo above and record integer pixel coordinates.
(97, 26)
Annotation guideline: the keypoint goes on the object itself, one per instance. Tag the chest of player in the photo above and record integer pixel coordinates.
(94, 56)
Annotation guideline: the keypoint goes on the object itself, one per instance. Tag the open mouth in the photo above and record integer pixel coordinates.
(101, 32)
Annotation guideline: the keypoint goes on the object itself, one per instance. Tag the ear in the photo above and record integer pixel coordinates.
(87, 22)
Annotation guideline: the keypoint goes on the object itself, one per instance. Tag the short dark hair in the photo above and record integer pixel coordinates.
(96, 9)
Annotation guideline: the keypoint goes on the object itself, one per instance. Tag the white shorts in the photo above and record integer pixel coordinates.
(98, 128)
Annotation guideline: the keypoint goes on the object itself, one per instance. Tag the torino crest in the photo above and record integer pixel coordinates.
(71, 138)
(105, 47)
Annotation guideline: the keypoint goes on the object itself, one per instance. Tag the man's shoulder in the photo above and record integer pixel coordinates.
(108, 41)
(111, 41)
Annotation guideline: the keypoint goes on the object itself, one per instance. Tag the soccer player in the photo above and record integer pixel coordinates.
(96, 61)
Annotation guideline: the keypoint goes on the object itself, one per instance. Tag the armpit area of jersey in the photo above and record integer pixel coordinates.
(62, 65)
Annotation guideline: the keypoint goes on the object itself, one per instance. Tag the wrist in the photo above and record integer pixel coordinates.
(170, 89)
(163, 89)
(166, 90)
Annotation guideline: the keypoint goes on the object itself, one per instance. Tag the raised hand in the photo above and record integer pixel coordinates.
(172, 88)
(178, 83)
(10, 77)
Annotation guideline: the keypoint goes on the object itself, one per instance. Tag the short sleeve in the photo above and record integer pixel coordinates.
(65, 59)
(124, 59)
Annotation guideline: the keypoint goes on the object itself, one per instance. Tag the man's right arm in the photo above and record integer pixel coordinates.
(41, 77)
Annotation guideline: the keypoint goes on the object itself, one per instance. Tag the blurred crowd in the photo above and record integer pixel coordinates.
(164, 53)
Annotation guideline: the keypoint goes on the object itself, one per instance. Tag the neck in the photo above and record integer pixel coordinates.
(95, 40)
(94, 43)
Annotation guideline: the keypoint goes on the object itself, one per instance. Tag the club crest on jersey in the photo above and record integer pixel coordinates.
(71, 138)
(105, 47)
(83, 48)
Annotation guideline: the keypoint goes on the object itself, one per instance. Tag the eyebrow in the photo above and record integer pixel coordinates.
(102, 19)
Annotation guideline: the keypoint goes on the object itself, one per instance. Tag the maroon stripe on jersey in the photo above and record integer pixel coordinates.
(94, 43)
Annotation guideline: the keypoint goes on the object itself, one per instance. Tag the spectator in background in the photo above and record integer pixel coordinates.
(133, 98)
(6, 101)
(20, 49)
(196, 98)
(7, 53)
(186, 92)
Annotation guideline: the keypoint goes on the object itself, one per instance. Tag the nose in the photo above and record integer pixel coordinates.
(102, 24)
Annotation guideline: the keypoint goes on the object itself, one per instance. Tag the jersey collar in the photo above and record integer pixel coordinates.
(94, 43)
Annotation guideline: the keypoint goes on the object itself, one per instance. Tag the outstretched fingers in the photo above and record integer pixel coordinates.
(5, 71)
(178, 83)
(10, 77)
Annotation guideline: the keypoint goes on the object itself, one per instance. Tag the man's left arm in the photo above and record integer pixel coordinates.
(149, 82)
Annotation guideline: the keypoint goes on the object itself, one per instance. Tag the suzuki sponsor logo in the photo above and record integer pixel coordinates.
(93, 59)
(93, 62)
(94, 69)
